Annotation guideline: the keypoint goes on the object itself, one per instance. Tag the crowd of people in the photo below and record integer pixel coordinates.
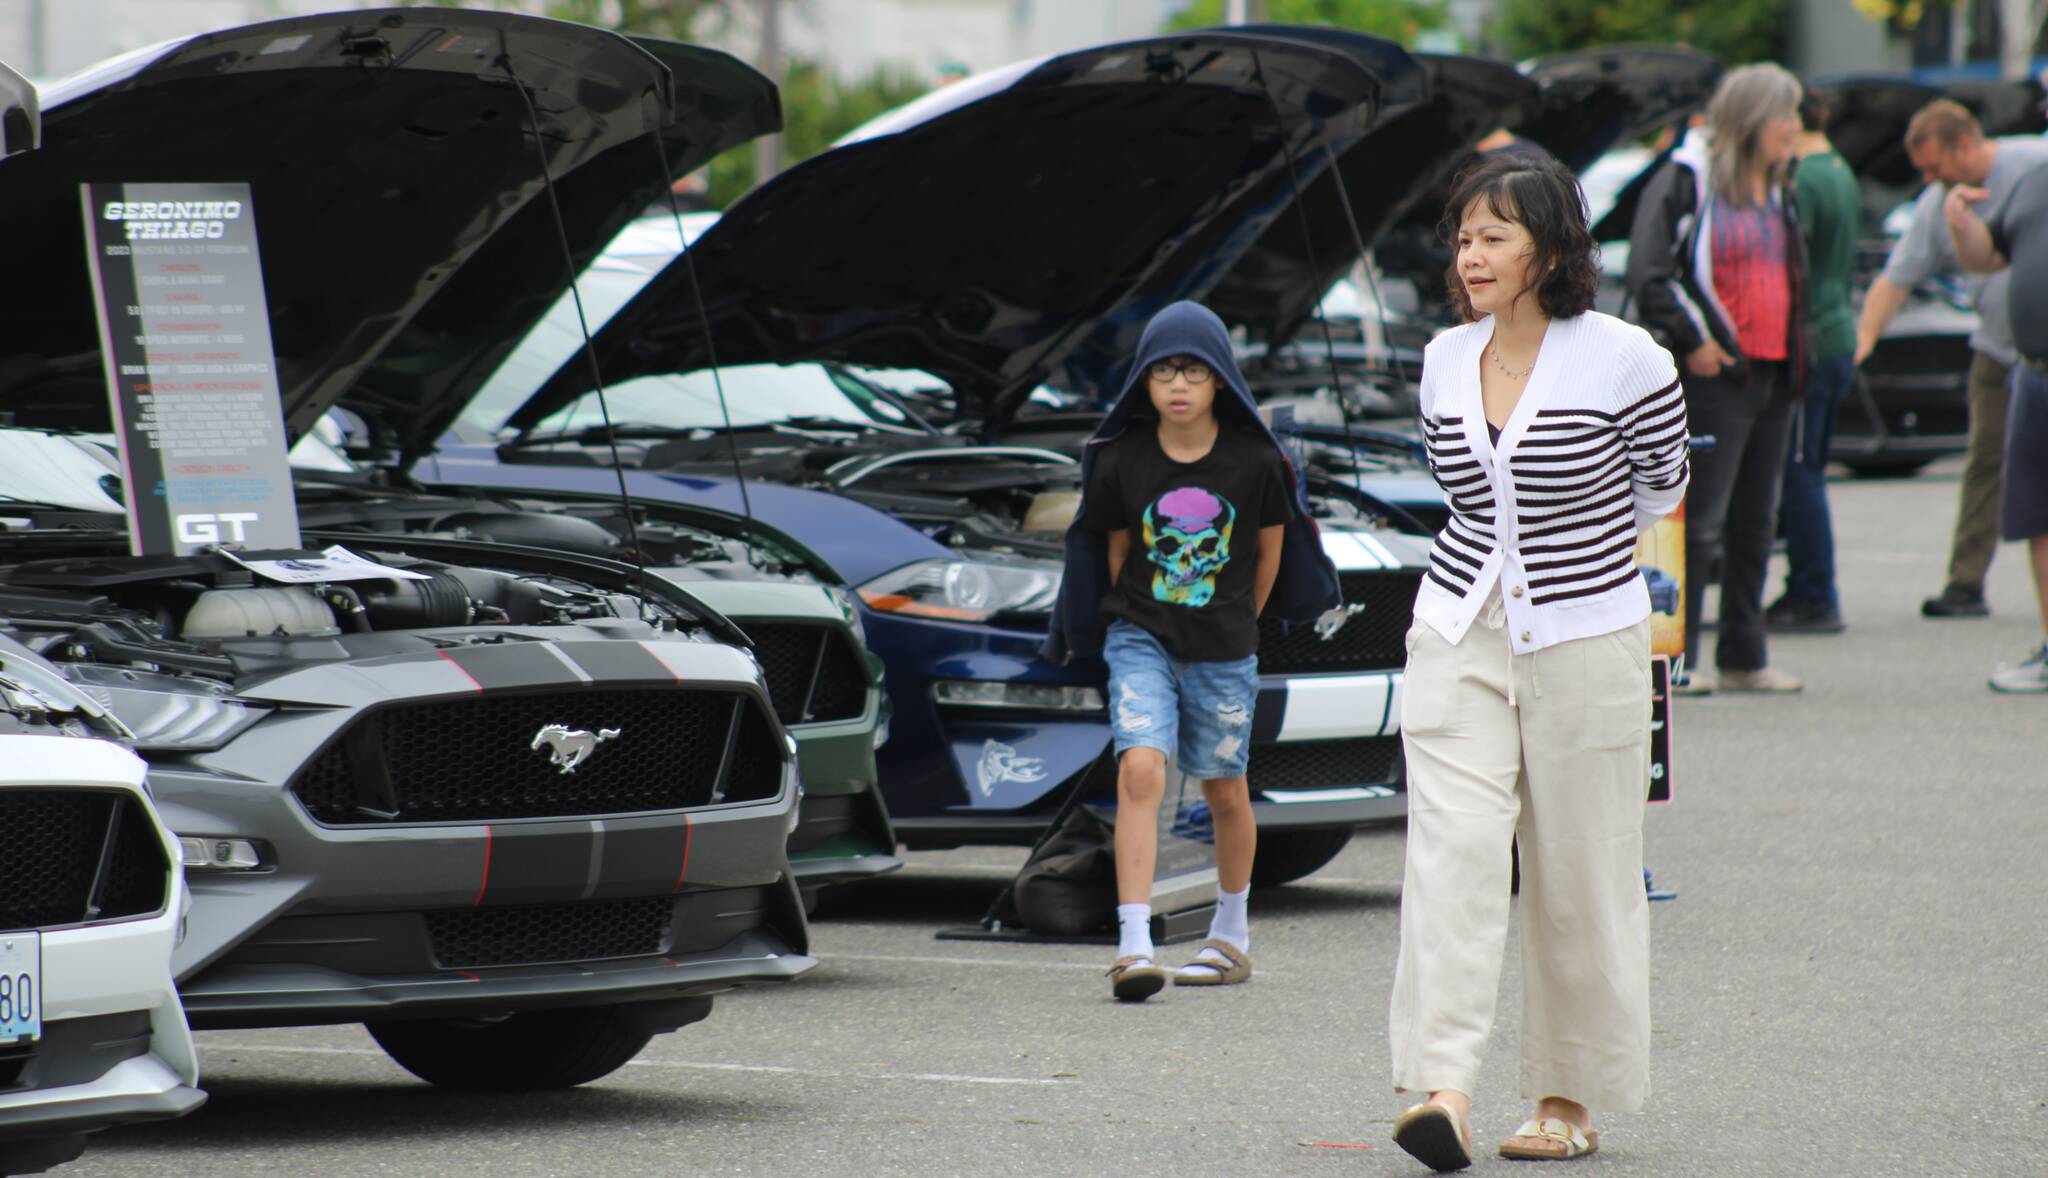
(1557, 434)
(1742, 262)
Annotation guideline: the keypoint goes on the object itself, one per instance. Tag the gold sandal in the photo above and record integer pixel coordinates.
(1561, 1140)
(1430, 1134)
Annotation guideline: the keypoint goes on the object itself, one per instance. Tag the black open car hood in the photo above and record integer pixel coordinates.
(984, 230)
(1392, 173)
(1867, 120)
(1595, 99)
(386, 151)
(1868, 116)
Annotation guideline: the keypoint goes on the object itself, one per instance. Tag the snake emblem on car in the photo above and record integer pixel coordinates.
(569, 747)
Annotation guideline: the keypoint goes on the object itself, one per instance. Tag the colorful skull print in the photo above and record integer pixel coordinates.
(1187, 534)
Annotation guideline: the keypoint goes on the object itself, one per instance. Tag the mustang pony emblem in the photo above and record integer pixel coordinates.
(1334, 620)
(569, 747)
(1000, 763)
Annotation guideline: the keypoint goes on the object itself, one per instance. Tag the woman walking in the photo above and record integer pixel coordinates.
(1557, 433)
(1717, 267)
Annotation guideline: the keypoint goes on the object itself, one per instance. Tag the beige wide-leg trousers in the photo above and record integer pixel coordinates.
(1551, 750)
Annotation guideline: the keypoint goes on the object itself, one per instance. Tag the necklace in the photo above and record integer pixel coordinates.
(1493, 350)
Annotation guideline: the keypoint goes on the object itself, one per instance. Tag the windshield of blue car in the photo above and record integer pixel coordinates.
(808, 396)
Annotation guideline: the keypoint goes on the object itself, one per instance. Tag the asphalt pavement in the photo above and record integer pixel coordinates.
(1851, 981)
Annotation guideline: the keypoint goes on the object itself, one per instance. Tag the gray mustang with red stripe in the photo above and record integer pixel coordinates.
(516, 806)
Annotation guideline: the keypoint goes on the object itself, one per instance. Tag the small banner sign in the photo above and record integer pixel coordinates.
(1660, 728)
(185, 340)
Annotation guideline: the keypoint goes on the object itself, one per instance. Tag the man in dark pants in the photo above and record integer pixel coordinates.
(2016, 240)
(1948, 145)
(1829, 209)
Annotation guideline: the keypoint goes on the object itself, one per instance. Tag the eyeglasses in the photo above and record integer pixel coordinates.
(1195, 371)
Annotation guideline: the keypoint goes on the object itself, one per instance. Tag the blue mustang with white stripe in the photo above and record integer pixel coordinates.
(877, 254)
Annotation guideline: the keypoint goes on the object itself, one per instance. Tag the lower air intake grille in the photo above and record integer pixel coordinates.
(1379, 605)
(813, 672)
(1325, 764)
(550, 933)
(475, 760)
(58, 865)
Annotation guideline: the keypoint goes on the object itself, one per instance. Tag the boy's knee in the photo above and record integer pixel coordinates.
(1227, 795)
(1141, 774)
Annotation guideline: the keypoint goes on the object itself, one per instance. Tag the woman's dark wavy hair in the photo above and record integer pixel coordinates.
(1535, 191)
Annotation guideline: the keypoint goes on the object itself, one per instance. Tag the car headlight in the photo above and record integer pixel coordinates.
(852, 615)
(166, 713)
(966, 590)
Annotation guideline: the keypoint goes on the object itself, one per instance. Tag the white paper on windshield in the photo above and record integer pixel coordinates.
(333, 564)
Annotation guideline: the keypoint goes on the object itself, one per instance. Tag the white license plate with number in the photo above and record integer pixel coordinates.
(21, 987)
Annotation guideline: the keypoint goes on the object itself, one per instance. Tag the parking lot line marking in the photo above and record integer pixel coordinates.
(676, 1064)
(931, 1077)
(828, 958)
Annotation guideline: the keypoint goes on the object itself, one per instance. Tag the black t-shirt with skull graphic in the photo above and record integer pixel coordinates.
(1193, 562)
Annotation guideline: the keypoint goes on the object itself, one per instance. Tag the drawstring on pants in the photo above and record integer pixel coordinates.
(1495, 614)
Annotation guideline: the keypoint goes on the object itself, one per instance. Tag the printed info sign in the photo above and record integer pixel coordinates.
(185, 338)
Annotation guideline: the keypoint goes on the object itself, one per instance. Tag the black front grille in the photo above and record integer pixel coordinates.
(813, 672)
(60, 863)
(1920, 355)
(547, 933)
(474, 760)
(1327, 764)
(1371, 639)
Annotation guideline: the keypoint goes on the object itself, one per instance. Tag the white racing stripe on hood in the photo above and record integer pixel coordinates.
(1352, 551)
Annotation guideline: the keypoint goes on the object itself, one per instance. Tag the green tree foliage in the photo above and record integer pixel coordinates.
(1398, 20)
(816, 109)
(676, 20)
(1736, 31)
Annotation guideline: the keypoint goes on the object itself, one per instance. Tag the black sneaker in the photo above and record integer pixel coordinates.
(1955, 603)
(1786, 616)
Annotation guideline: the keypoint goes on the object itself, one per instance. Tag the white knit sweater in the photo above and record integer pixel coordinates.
(1594, 451)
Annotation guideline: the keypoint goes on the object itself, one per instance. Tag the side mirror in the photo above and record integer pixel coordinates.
(21, 121)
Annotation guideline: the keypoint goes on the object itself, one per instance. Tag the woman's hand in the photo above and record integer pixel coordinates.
(1707, 360)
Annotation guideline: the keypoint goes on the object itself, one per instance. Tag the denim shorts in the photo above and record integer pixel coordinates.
(1157, 701)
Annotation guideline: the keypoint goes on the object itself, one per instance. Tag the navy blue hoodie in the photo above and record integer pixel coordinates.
(1306, 586)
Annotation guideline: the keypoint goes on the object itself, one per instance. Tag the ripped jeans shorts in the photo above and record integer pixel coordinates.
(1155, 698)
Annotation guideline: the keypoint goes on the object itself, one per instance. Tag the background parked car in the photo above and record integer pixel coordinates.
(952, 546)
(91, 898)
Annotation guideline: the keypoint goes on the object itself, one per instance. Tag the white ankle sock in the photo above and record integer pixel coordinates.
(1231, 923)
(1134, 930)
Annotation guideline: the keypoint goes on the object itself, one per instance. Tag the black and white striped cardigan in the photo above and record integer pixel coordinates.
(1594, 451)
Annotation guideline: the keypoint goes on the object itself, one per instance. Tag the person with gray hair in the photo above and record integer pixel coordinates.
(1717, 270)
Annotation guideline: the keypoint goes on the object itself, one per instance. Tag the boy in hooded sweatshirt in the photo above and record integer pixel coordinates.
(1186, 504)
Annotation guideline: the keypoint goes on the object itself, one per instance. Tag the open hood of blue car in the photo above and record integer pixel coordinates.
(985, 230)
(1401, 169)
(396, 177)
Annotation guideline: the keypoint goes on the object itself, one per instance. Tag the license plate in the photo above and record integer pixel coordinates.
(21, 987)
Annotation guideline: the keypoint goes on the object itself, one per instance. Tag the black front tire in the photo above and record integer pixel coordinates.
(1285, 856)
(1887, 468)
(530, 1052)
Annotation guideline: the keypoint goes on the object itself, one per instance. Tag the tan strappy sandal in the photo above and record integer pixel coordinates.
(1136, 978)
(1235, 967)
